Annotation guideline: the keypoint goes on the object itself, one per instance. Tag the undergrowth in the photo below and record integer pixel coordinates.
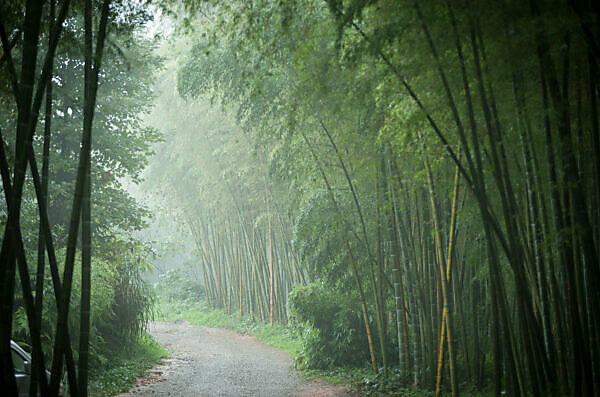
(290, 339)
(368, 383)
(179, 299)
(125, 365)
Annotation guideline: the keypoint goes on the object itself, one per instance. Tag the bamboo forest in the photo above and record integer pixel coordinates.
(300, 198)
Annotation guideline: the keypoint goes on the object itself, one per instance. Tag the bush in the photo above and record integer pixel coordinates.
(121, 303)
(132, 300)
(333, 332)
(175, 287)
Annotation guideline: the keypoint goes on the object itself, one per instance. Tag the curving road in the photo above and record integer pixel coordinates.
(217, 362)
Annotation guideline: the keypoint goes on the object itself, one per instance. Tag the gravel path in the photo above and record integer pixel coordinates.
(217, 362)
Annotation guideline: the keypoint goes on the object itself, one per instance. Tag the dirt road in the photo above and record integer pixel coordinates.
(216, 362)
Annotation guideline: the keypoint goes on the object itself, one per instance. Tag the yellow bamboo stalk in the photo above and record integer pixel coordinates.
(446, 327)
(440, 361)
(453, 217)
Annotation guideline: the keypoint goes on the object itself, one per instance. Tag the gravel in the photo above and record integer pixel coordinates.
(217, 362)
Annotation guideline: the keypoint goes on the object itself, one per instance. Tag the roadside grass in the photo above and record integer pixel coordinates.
(368, 383)
(289, 339)
(285, 338)
(278, 336)
(127, 363)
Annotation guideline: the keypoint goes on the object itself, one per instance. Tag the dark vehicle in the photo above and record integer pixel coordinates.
(22, 364)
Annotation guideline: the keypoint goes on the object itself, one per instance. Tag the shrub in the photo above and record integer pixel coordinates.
(121, 303)
(176, 288)
(333, 333)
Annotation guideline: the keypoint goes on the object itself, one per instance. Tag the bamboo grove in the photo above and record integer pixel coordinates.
(252, 271)
(419, 180)
(242, 234)
(29, 92)
(53, 57)
(440, 162)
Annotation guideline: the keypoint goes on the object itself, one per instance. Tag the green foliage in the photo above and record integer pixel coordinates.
(132, 304)
(383, 383)
(121, 303)
(123, 364)
(334, 335)
(124, 97)
(380, 78)
(393, 383)
(177, 291)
